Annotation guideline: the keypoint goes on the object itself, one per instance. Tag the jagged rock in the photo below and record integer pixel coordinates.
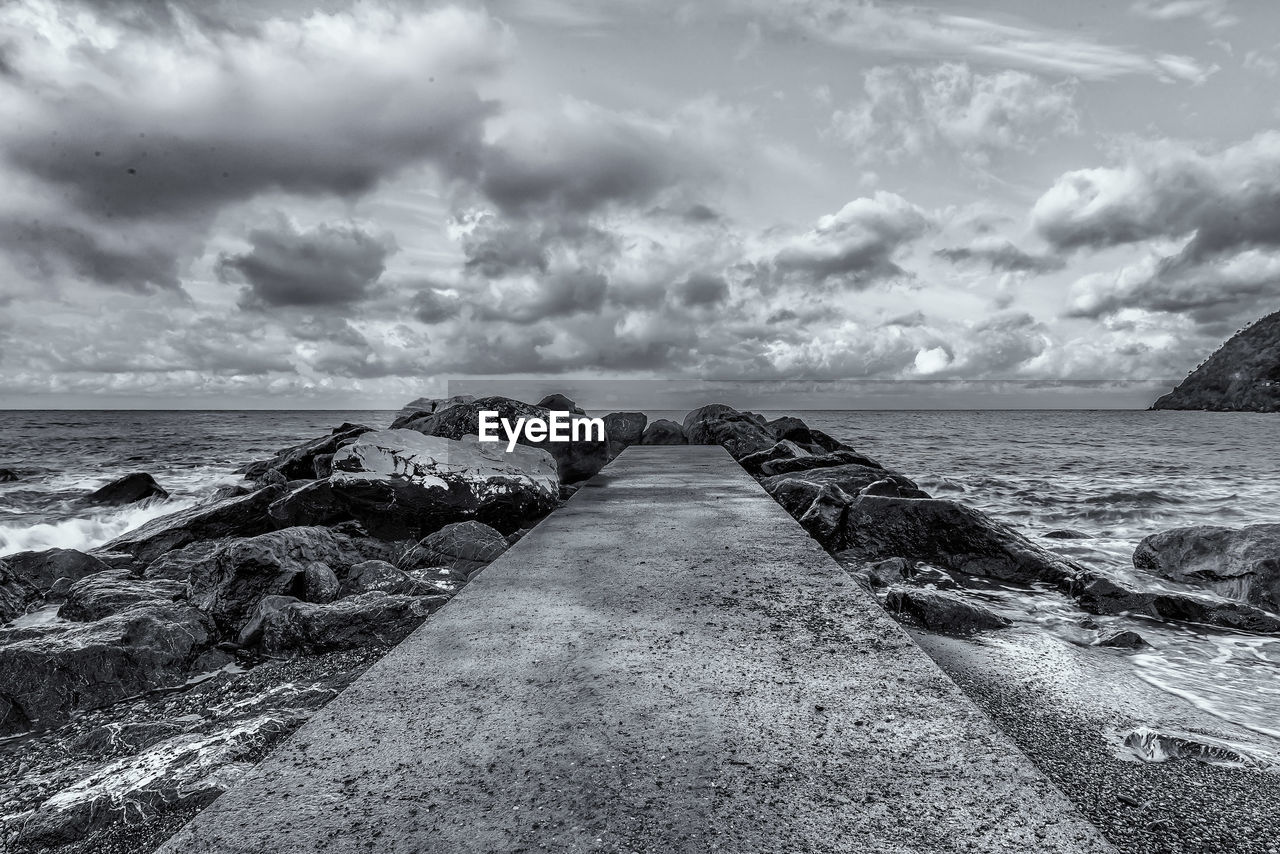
(112, 591)
(830, 459)
(559, 403)
(178, 564)
(378, 575)
(313, 503)
(61, 670)
(575, 461)
(463, 548)
(624, 429)
(244, 516)
(16, 596)
(8, 476)
(299, 462)
(186, 771)
(737, 433)
(1236, 563)
(425, 406)
(783, 450)
(1099, 594)
(401, 483)
(795, 491)
(946, 534)
(230, 583)
(250, 633)
(827, 443)
(663, 432)
(1242, 376)
(129, 489)
(1124, 640)
(824, 514)
(322, 466)
(369, 619)
(948, 613)
(876, 574)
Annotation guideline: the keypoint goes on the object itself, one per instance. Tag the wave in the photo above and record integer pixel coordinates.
(85, 532)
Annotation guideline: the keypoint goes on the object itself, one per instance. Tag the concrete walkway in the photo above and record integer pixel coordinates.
(666, 664)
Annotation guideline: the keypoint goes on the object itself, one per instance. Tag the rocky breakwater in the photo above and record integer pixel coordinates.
(139, 680)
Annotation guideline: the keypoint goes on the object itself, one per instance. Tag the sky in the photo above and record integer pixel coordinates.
(352, 204)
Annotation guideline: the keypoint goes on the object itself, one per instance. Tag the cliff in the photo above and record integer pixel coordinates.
(1242, 376)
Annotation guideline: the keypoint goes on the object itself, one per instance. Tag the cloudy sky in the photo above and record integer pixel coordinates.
(350, 203)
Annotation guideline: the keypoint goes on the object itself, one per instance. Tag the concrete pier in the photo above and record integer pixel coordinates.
(668, 663)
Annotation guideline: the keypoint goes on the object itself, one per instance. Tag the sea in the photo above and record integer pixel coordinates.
(1113, 476)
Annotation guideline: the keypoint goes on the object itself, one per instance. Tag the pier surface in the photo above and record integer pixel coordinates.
(668, 663)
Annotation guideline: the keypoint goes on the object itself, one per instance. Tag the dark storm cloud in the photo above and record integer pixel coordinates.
(857, 244)
(332, 264)
(558, 294)
(701, 290)
(91, 253)
(430, 306)
(1002, 257)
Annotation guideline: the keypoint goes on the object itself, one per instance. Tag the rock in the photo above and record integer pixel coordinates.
(313, 503)
(122, 737)
(184, 772)
(947, 613)
(8, 476)
(795, 491)
(1236, 563)
(42, 569)
(230, 583)
(129, 489)
(402, 483)
(946, 534)
(827, 443)
(881, 573)
(575, 461)
(463, 548)
(319, 583)
(244, 516)
(378, 575)
(889, 488)
(250, 633)
(322, 466)
(1124, 640)
(178, 564)
(783, 450)
(831, 459)
(16, 595)
(790, 429)
(559, 403)
(663, 432)
(66, 669)
(825, 513)
(425, 406)
(737, 433)
(1242, 376)
(1066, 534)
(924, 574)
(112, 591)
(299, 462)
(1099, 594)
(623, 430)
(369, 619)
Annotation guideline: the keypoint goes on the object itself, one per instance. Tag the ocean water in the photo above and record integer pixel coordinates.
(1114, 476)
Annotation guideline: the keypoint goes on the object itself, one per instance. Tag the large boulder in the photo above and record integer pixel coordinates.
(829, 459)
(313, 503)
(16, 596)
(945, 534)
(716, 424)
(112, 591)
(623, 430)
(239, 516)
(663, 432)
(1236, 563)
(129, 489)
(53, 674)
(559, 403)
(425, 406)
(42, 569)
(1100, 594)
(939, 611)
(403, 483)
(783, 450)
(575, 460)
(382, 577)
(369, 619)
(795, 491)
(299, 462)
(463, 548)
(237, 575)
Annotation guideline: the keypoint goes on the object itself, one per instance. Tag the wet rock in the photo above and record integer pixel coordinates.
(559, 403)
(402, 483)
(369, 619)
(250, 634)
(313, 503)
(299, 462)
(877, 574)
(888, 487)
(424, 406)
(924, 574)
(8, 476)
(830, 459)
(1066, 534)
(112, 591)
(946, 534)
(1151, 745)
(42, 569)
(380, 576)
(783, 450)
(624, 429)
(788, 428)
(178, 564)
(244, 516)
(1126, 639)
(825, 514)
(129, 489)
(947, 613)
(322, 466)
(795, 491)
(1099, 594)
(1236, 563)
(47, 678)
(663, 432)
(16, 596)
(319, 583)
(230, 583)
(122, 737)
(737, 433)
(463, 548)
(186, 771)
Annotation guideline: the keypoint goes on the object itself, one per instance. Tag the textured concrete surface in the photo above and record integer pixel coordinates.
(666, 664)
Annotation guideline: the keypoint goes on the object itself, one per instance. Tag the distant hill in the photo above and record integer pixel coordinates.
(1243, 376)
